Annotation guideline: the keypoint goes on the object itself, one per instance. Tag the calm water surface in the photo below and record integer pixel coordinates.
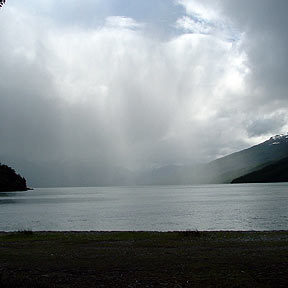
(155, 208)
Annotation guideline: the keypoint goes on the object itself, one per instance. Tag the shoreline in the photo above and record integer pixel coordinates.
(144, 259)
(203, 232)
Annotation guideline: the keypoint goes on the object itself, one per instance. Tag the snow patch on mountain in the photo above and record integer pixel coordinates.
(278, 139)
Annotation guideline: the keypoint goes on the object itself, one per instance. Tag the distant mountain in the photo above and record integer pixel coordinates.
(172, 175)
(10, 180)
(70, 173)
(276, 172)
(222, 170)
(226, 169)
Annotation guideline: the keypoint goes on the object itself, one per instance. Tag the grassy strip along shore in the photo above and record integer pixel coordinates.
(144, 259)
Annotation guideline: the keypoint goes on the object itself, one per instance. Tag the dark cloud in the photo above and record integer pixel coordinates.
(264, 24)
(265, 125)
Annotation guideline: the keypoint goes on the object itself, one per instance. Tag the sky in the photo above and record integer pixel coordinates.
(140, 84)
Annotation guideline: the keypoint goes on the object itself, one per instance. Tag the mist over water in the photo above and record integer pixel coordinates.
(151, 208)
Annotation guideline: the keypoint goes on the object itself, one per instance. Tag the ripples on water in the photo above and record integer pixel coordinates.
(154, 208)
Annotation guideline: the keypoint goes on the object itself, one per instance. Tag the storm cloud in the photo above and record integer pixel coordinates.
(141, 84)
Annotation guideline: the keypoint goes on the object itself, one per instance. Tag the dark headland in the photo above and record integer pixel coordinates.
(144, 259)
(10, 180)
(275, 172)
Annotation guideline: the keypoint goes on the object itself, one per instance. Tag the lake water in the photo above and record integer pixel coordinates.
(153, 208)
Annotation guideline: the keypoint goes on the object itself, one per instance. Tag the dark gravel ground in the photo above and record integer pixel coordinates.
(144, 259)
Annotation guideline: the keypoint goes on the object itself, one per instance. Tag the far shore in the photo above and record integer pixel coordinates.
(144, 259)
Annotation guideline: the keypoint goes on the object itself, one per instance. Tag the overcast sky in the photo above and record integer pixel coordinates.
(138, 83)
